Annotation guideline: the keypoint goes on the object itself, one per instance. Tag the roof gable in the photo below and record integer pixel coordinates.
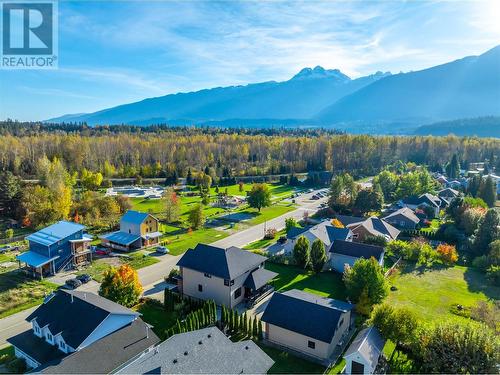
(406, 213)
(224, 263)
(306, 314)
(55, 233)
(75, 315)
(369, 344)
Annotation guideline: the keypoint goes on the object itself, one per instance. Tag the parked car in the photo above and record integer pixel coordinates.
(8, 248)
(73, 283)
(84, 279)
(162, 250)
(282, 239)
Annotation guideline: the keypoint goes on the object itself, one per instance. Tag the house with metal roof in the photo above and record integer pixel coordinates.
(71, 321)
(204, 351)
(345, 253)
(404, 218)
(227, 276)
(137, 230)
(55, 248)
(364, 353)
(311, 325)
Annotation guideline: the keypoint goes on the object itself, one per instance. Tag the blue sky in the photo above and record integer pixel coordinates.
(113, 52)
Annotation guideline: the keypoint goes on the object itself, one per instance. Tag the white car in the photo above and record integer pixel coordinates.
(162, 250)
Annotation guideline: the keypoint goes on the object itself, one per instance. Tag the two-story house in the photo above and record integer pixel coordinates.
(57, 247)
(137, 230)
(308, 324)
(227, 276)
(70, 324)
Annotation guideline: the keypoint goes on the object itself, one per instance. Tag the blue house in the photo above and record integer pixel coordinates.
(59, 246)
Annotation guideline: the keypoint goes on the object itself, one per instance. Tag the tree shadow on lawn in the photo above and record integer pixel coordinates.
(476, 282)
(13, 279)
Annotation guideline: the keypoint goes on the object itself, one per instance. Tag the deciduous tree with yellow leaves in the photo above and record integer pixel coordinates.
(121, 285)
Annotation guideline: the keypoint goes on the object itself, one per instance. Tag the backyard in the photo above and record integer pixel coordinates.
(19, 292)
(432, 293)
(157, 316)
(286, 363)
(325, 284)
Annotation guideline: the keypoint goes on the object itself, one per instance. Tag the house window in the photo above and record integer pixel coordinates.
(200, 288)
(237, 293)
(228, 282)
(207, 275)
(49, 337)
(311, 344)
(37, 330)
(62, 346)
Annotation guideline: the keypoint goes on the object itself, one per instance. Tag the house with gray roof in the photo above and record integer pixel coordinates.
(372, 227)
(324, 231)
(311, 325)
(363, 354)
(427, 200)
(227, 276)
(404, 218)
(137, 230)
(448, 193)
(71, 321)
(345, 253)
(204, 351)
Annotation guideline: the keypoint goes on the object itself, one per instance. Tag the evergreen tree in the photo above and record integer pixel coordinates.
(259, 331)
(255, 329)
(488, 191)
(301, 253)
(318, 255)
(487, 232)
(453, 167)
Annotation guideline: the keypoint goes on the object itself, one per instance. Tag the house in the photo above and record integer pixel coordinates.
(70, 323)
(204, 351)
(372, 227)
(344, 253)
(137, 230)
(311, 325)
(363, 354)
(55, 248)
(427, 200)
(403, 218)
(227, 276)
(324, 231)
(448, 193)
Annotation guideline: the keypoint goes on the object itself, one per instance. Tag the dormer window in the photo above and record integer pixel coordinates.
(62, 346)
(49, 337)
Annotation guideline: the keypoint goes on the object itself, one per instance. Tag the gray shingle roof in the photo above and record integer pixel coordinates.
(406, 212)
(37, 348)
(369, 344)
(108, 353)
(377, 227)
(259, 278)
(348, 220)
(224, 263)
(75, 318)
(356, 249)
(306, 314)
(205, 351)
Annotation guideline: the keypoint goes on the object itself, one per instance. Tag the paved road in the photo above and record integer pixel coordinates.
(152, 277)
(256, 232)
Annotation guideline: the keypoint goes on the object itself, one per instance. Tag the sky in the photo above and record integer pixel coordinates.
(117, 52)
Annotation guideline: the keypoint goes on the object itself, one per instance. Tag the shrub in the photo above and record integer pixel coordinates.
(493, 275)
(17, 366)
(481, 262)
(447, 253)
(270, 234)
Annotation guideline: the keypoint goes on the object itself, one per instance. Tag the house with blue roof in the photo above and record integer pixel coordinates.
(137, 230)
(58, 247)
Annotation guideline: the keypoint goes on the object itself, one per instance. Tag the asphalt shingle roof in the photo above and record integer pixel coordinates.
(76, 319)
(406, 212)
(310, 315)
(224, 263)
(205, 351)
(356, 249)
(55, 233)
(108, 353)
(369, 344)
(259, 278)
(377, 227)
(36, 347)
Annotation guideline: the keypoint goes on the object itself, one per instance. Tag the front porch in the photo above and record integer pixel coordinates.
(257, 287)
(36, 265)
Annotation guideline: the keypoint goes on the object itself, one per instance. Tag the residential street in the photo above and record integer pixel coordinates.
(152, 277)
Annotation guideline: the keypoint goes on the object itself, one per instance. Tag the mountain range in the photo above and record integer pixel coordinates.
(377, 103)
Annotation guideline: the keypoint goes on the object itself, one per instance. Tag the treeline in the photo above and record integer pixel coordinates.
(156, 152)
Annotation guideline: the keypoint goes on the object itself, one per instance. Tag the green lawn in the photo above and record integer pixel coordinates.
(325, 284)
(267, 213)
(140, 260)
(263, 243)
(19, 292)
(96, 269)
(286, 363)
(432, 293)
(435, 223)
(160, 319)
(179, 240)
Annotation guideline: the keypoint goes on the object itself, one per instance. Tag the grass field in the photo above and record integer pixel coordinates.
(155, 315)
(325, 284)
(267, 213)
(286, 363)
(263, 243)
(18, 292)
(180, 240)
(432, 293)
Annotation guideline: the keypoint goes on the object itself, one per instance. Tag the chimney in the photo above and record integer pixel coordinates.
(147, 331)
(71, 297)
